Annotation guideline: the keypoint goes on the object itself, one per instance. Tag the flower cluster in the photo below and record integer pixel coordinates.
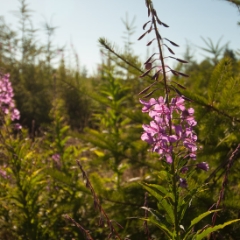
(57, 160)
(7, 105)
(171, 128)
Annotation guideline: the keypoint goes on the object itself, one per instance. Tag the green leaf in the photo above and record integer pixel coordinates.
(209, 230)
(163, 190)
(166, 206)
(160, 225)
(184, 203)
(198, 219)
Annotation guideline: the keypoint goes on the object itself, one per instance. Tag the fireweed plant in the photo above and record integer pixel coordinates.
(7, 105)
(171, 135)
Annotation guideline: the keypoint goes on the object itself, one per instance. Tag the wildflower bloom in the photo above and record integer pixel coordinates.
(204, 166)
(183, 183)
(184, 169)
(3, 174)
(158, 134)
(56, 159)
(7, 105)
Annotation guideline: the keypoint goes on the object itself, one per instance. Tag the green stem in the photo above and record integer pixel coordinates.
(175, 193)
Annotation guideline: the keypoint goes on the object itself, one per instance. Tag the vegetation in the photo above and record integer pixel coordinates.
(78, 169)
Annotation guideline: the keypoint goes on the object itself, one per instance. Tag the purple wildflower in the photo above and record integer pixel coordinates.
(56, 158)
(184, 169)
(17, 126)
(183, 183)
(3, 174)
(203, 165)
(7, 105)
(158, 133)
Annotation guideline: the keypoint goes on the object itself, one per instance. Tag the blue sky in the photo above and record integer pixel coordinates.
(82, 22)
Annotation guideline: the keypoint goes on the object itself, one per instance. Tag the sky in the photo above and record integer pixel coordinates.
(80, 23)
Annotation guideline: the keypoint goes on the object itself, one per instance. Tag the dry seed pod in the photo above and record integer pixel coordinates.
(149, 94)
(142, 35)
(159, 36)
(182, 74)
(149, 43)
(170, 50)
(179, 60)
(179, 85)
(146, 89)
(156, 75)
(187, 99)
(173, 43)
(149, 59)
(159, 22)
(144, 26)
(144, 74)
(164, 24)
(150, 29)
(148, 66)
(182, 61)
(176, 90)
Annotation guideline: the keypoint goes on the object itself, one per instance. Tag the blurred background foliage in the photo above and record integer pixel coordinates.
(97, 120)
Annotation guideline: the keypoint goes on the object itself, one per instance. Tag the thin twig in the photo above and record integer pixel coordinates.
(235, 154)
(97, 205)
(83, 230)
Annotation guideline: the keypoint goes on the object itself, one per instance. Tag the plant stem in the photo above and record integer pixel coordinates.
(173, 172)
(175, 193)
(162, 63)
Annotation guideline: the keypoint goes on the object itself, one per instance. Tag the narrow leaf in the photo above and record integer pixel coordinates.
(160, 197)
(161, 189)
(213, 229)
(160, 225)
(198, 219)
